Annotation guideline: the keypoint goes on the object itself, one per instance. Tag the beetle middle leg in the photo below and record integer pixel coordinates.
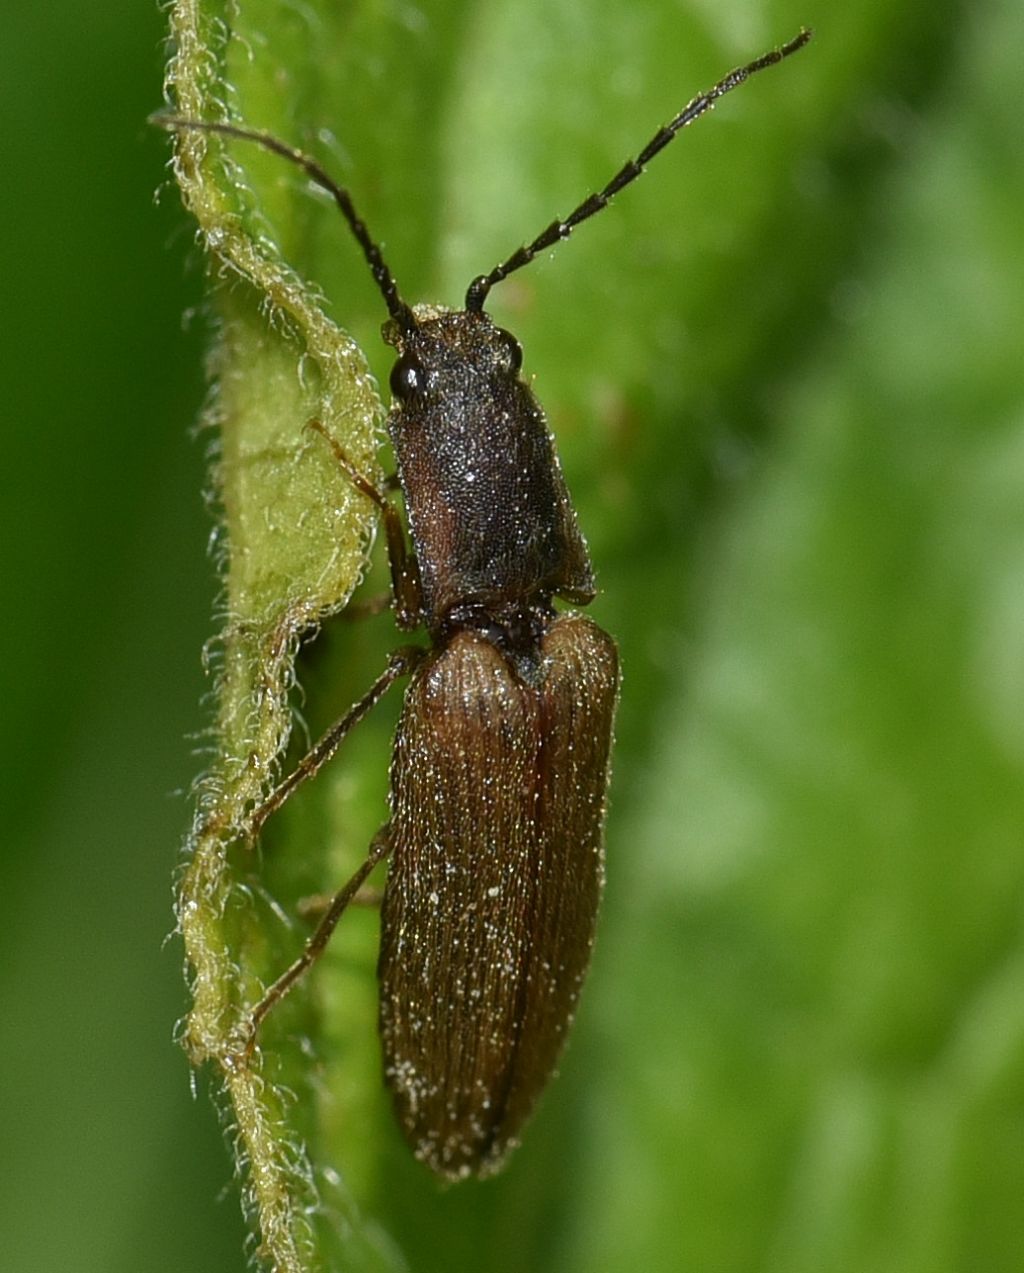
(400, 663)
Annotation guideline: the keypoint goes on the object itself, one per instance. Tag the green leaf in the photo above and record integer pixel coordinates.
(783, 373)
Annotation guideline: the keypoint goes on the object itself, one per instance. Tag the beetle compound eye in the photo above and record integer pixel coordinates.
(511, 349)
(500, 763)
(407, 378)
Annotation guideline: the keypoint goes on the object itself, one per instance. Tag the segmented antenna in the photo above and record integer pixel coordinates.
(383, 277)
(476, 296)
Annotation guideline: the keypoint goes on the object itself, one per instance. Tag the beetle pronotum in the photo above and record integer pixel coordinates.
(501, 753)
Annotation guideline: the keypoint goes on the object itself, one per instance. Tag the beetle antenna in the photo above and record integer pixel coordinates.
(383, 277)
(476, 296)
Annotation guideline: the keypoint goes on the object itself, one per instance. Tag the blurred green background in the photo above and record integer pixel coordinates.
(785, 375)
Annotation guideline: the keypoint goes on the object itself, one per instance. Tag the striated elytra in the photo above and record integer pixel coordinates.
(501, 754)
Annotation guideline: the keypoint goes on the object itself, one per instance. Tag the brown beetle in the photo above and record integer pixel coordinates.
(501, 754)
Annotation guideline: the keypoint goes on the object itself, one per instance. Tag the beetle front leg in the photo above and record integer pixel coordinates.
(405, 573)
